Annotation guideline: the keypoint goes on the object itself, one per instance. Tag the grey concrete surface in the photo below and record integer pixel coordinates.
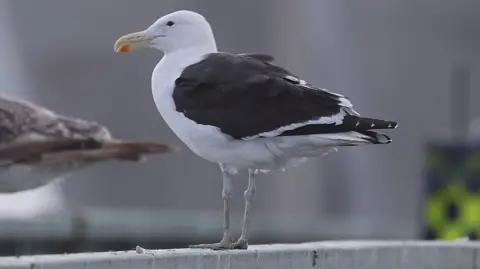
(334, 255)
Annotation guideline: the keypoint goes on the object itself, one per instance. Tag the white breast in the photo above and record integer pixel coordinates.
(201, 139)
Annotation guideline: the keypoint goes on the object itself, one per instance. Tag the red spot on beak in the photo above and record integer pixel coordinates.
(124, 48)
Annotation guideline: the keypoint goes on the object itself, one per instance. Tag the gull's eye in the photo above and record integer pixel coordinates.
(170, 23)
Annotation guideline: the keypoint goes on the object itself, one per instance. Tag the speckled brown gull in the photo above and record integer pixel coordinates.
(38, 146)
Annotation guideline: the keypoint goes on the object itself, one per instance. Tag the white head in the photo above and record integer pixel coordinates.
(175, 31)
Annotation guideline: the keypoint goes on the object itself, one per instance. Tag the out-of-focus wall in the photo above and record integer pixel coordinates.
(392, 58)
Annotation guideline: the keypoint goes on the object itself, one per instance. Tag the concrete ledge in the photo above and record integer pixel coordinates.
(324, 255)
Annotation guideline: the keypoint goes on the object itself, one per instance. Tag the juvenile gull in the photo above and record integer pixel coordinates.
(241, 110)
(39, 146)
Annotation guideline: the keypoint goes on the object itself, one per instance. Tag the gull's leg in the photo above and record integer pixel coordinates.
(227, 192)
(249, 195)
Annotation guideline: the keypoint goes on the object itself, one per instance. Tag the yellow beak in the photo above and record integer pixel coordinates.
(132, 41)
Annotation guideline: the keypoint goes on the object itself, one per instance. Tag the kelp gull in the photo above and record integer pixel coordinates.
(241, 110)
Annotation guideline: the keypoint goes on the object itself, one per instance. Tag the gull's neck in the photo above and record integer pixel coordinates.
(173, 62)
(190, 55)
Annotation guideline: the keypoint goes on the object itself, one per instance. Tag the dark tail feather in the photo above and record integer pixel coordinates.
(364, 125)
(361, 124)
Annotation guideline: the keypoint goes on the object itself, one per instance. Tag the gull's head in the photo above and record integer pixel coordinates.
(175, 31)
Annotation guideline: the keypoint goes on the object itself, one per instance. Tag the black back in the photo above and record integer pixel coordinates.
(245, 95)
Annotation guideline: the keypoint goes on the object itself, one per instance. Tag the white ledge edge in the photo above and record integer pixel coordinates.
(326, 254)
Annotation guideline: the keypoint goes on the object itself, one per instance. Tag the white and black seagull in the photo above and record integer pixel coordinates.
(241, 110)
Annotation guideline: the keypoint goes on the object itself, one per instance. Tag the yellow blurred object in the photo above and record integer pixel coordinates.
(470, 210)
(453, 203)
(452, 232)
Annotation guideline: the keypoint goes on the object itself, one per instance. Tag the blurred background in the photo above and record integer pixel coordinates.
(410, 61)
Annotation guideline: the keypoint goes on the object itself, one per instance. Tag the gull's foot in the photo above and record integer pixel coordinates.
(240, 244)
(222, 245)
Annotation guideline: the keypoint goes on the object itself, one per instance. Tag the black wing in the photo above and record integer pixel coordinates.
(247, 95)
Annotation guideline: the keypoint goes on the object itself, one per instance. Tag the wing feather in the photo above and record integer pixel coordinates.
(247, 95)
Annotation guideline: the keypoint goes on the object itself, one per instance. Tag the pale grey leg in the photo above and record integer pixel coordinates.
(249, 195)
(227, 192)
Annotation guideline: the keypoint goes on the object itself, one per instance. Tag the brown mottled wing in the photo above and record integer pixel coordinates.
(30, 134)
(24, 121)
(38, 146)
(27, 130)
(119, 150)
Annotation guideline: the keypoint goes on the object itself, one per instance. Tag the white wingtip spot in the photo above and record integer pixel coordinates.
(373, 125)
(392, 126)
